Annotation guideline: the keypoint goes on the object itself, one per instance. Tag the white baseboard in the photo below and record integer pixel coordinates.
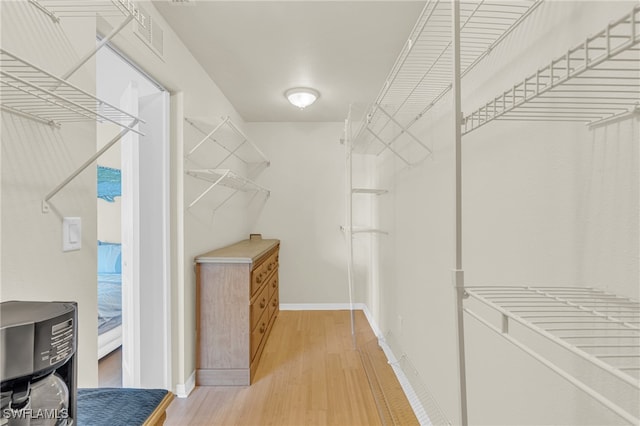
(410, 393)
(183, 390)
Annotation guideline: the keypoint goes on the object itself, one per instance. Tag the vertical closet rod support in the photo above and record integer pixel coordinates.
(94, 157)
(458, 273)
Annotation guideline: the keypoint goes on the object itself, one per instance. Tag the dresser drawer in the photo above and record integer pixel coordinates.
(274, 305)
(273, 284)
(261, 273)
(258, 333)
(259, 305)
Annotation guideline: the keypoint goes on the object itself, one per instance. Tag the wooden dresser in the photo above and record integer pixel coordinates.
(236, 304)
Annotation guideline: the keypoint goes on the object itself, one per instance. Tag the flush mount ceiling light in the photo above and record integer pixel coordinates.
(302, 97)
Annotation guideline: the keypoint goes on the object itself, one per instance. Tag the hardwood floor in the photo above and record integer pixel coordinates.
(110, 370)
(309, 374)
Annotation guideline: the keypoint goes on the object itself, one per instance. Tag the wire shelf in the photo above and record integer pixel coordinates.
(34, 93)
(57, 9)
(595, 82)
(599, 327)
(422, 74)
(226, 178)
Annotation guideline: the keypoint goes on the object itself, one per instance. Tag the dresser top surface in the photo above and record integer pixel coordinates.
(245, 251)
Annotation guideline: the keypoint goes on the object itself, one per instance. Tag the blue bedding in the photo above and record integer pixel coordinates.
(109, 286)
(109, 301)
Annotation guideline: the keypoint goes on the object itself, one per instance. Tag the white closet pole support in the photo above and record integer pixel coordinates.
(458, 273)
(99, 46)
(54, 191)
(349, 228)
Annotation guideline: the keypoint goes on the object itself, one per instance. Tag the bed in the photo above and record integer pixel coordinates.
(109, 297)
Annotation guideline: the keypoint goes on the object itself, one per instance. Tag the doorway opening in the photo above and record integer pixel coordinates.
(133, 231)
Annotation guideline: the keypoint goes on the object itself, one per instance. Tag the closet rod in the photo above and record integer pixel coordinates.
(91, 160)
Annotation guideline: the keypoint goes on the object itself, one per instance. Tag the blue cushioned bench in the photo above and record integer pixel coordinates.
(122, 406)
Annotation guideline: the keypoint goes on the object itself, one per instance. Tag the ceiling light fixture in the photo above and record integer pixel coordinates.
(302, 97)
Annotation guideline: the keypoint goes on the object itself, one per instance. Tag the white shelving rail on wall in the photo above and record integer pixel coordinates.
(235, 144)
(31, 92)
(595, 82)
(421, 75)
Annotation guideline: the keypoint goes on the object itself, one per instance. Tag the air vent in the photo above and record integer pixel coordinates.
(151, 34)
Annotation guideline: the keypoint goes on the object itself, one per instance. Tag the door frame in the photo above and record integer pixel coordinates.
(131, 255)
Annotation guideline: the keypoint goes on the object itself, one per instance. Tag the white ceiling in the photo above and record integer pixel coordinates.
(255, 50)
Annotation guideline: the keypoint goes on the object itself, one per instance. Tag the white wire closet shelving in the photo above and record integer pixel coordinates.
(34, 93)
(594, 82)
(57, 9)
(227, 178)
(599, 327)
(31, 92)
(234, 144)
(421, 75)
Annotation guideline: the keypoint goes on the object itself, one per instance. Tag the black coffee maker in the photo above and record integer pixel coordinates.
(38, 367)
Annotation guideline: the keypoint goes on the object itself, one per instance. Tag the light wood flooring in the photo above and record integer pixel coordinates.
(110, 370)
(309, 374)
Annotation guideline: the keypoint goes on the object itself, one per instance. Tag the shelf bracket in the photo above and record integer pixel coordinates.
(91, 160)
(206, 191)
(403, 129)
(95, 50)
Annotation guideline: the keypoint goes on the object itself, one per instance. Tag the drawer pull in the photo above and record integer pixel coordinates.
(263, 327)
(274, 303)
(263, 303)
(274, 284)
(270, 267)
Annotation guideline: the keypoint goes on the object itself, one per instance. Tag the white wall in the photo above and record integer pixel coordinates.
(35, 158)
(543, 204)
(305, 209)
